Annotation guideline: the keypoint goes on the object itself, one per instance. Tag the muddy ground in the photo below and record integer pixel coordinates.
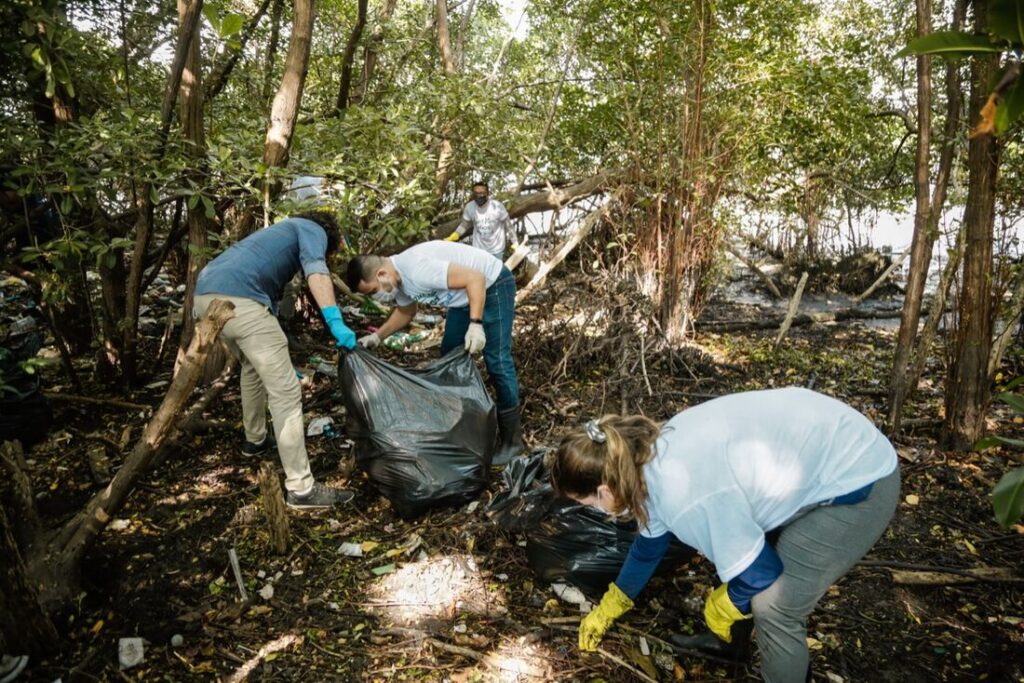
(452, 597)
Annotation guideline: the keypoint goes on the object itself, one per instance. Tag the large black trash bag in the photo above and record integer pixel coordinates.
(424, 436)
(567, 541)
(25, 413)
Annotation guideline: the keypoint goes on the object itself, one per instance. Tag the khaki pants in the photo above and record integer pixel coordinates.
(256, 339)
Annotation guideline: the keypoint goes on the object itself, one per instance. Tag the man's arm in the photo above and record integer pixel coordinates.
(322, 289)
(457, 234)
(399, 318)
(473, 281)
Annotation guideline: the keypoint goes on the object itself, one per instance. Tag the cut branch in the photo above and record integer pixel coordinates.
(794, 304)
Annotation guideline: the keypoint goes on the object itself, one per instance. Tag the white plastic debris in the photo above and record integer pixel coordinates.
(130, 652)
(586, 607)
(261, 574)
(177, 640)
(501, 577)
(834, 678)
(350, 550)
(119, 524)
(569, 594)
(645, 649)
(472, 506)
(267, 591)
(318, 424)
(460, 628)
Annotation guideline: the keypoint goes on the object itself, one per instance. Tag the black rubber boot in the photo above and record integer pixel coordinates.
(710, 645)
(511, 434)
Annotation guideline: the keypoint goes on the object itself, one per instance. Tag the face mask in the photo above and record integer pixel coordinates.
(382, 295)
(480, 201)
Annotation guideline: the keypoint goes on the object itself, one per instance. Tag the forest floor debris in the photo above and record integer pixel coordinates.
(466, 605)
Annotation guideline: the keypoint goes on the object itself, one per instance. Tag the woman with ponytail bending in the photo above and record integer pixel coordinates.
(720, 477)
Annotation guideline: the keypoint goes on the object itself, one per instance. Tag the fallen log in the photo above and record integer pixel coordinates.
(564, 249)
(881, 278)
(765, 278)
(773, 322)
(553, 199)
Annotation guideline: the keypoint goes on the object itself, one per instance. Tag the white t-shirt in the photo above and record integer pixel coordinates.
(424, 272)
(489, 224)
(729, 470)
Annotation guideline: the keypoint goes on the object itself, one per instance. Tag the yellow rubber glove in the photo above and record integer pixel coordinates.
(454, 237)
(613, 605)
(720, 613)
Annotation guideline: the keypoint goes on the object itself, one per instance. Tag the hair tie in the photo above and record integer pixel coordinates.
(594, 431)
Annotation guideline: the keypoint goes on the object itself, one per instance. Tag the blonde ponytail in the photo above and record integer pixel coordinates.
(581, 464)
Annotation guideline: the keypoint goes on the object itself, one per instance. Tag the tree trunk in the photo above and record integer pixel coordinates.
(25, 627)
(274, 508)
(445, 153)
(686, 250)
(370, 52)
(54, 565)
(188, 27)
(928, 209)
(967, 391)
(285, 110)
(272, 45)
(193, 130)
(348, 57)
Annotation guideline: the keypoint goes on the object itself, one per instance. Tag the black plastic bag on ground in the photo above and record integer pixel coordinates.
(567, 541)
(425, 436)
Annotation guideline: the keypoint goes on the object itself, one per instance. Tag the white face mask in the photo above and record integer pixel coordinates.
(384, 296)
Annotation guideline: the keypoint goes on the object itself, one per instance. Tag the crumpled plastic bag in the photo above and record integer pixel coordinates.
(425, 436)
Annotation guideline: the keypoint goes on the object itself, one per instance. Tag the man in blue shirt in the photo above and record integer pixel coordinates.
(252, 274)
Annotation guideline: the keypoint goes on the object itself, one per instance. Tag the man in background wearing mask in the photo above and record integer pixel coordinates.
(252, 274)
(479, 293)
(488, 219)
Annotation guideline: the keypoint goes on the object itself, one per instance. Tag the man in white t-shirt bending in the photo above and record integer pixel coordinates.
(479, 293)
(489, 220)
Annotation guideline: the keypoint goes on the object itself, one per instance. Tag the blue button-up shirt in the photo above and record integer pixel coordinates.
(259, 266)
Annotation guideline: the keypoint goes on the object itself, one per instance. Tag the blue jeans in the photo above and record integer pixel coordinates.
(499, 310)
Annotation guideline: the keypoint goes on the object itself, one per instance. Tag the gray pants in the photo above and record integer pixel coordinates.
(816, 550)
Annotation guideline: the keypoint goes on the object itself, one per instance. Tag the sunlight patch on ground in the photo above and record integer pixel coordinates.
(434, 587)
(516, 661)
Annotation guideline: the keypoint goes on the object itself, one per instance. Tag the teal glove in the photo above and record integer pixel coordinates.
(344, 336)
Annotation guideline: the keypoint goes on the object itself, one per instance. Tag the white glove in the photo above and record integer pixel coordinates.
(475, 338)
(370, 341)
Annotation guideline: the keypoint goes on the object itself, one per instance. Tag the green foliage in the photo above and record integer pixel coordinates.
(952, 44)
(1008, 497)
(1006, 36)
(1008, 494)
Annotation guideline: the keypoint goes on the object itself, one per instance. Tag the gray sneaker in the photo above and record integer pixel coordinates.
(322, 496)
(10, 667)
